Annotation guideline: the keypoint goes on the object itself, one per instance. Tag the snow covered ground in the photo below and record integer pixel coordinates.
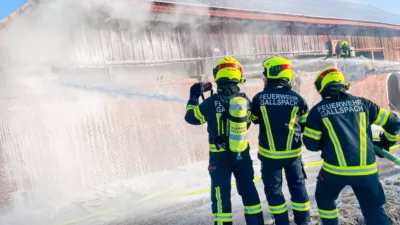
(176, 196)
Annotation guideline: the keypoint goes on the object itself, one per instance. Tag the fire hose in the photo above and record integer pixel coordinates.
(387, 155)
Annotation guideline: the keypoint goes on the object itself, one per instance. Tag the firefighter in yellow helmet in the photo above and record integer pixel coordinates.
(227, 114)
(344, 50)
(340, 126)
(281, 114)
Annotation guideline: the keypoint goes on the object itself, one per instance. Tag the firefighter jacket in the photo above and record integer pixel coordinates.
(345, 51)
(342, 130)
(210, 111)
(281, 113)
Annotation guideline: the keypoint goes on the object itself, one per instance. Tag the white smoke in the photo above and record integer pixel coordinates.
(53, 139)
(52, 32)
(43, 34)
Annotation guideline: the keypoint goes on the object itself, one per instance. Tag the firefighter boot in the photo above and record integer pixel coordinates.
(254, 219)
(282, 218)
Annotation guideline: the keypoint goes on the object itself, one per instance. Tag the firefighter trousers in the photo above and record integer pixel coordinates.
(221, 192)
(271, 171)
(368, 190)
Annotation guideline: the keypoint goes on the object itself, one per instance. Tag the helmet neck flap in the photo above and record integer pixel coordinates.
(227, 88)
(281, 83)
(335, 91)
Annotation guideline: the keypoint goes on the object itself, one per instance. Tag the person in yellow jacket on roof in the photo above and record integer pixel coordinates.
(281, 114)
(340, 126)
(227, 114)
(344, 50)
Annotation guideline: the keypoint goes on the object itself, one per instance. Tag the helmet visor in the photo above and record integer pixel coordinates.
(229, 65)
(275, 70)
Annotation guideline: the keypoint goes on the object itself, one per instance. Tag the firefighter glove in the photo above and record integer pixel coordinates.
(380, 145)
(196, 90)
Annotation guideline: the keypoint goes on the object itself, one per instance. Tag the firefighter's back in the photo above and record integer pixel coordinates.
(214, 108)
(340, 126)
(281, 111)
(227, 116)
(347, 146)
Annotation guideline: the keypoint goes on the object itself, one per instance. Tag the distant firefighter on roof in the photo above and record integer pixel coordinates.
(344, 50)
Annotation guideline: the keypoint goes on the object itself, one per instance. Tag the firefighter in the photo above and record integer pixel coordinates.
(340, 126)
(344, 50)
(223, 162)
(281, 114)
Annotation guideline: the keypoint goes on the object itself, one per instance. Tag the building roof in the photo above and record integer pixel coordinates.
(335, 9)
(7, 8)
(16, 12)
(336, 12)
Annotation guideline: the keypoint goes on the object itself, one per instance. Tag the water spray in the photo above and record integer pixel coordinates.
(127, 93)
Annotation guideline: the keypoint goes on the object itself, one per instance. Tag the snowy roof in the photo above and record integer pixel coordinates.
(314, 8)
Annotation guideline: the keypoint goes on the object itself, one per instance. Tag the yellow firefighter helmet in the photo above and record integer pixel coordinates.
(327, 76)
(228, 69)
(277, 68)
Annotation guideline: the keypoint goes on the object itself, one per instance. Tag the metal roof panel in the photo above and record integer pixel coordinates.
(314, 8)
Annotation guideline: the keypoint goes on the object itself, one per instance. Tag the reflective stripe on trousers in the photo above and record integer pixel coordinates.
(302, 207)
(328, 214)
(221, 217)
(253, 209)
(279, 209)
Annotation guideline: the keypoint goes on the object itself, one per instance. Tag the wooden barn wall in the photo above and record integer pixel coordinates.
(163, 41)
(139, 121)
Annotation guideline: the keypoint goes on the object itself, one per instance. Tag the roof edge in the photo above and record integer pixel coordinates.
(168, 7)
(19, 10)
(163, 6)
